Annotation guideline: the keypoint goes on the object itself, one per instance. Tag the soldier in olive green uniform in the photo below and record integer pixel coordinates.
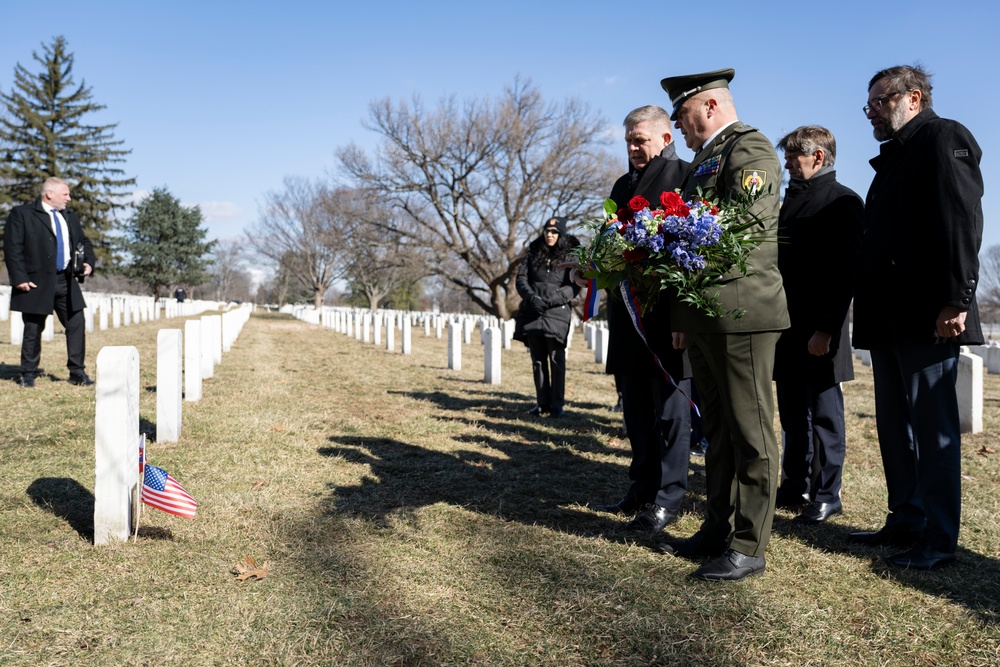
(732, 359)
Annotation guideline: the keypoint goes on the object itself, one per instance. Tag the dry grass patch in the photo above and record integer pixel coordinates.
(413, 515)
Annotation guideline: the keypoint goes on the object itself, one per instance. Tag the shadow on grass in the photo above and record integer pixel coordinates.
(972, 582)
(68, 499)
(537, 471)
(513, 409)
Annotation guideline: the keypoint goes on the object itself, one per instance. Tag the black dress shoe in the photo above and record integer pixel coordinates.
(899, 537)
(789, 501)
(537, 411)
(730, 566)
(816, 512)
(627, 505)
(652, 519)
(695, 547)
(80, 379)
(556, 412)
(922, 558)
(27, 381)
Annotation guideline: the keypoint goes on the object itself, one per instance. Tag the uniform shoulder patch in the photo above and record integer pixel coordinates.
(754, 180)
(962, 152)
(709, 166)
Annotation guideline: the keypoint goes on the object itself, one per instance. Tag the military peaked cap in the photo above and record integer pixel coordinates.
(680, 88)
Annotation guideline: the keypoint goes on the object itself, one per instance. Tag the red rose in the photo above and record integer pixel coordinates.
(682, 210)
(670, 201)
(625, 215)
(715, 210)
(638, 203)
(638, 255)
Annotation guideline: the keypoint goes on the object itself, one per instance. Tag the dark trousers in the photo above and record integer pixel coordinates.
(813, 421)
(916, 412)
(548, 367)
(658, 421)
(733, 374)
(31, 344)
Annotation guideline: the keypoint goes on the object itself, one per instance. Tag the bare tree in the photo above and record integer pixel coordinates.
(229, 278)
(475, 182)
(379, 259)
(988, 294)
(300, 233)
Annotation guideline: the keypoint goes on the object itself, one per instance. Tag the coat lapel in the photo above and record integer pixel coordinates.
(44, 218)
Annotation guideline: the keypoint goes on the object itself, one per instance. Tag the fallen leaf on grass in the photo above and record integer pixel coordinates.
(986, 451)
(248, 569)
(259, 484)
(278, 427)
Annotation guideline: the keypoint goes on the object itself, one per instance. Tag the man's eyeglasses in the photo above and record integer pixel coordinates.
(876, 104)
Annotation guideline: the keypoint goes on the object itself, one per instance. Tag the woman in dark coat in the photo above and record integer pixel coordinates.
(544, 317)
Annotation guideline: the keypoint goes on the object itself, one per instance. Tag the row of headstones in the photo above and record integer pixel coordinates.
(366, 326)
(595, 333)
(113, 310)
(116, 419)
(197, 351)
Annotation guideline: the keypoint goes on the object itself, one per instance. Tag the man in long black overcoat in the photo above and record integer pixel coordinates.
(819, 232)
(915, 305)
(39, 241)
(657, 416)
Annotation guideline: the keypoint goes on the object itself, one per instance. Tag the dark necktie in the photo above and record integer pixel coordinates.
(60, 251)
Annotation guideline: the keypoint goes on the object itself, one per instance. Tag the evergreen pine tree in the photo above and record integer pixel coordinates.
(45, 133)
(164, 244)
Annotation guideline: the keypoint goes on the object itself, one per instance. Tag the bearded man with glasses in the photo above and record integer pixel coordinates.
(915, 304)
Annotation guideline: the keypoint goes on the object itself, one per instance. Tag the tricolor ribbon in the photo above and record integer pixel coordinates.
(593, 296)
(632, 305)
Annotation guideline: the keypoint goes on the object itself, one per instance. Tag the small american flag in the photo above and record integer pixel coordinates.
(162, 491)
(142, 451)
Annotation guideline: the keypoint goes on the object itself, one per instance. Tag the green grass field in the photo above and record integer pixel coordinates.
(413, 515)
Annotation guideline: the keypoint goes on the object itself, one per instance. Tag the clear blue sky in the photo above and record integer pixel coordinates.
(219, 101)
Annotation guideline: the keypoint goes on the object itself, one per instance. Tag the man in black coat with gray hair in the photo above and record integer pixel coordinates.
(915, 304)
(819, 230)
(657, 416)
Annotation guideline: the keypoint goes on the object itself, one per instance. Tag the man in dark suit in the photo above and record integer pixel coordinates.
(819, 228)
(657, 415)
(39, 242)
(915, 304)
(732, 360)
